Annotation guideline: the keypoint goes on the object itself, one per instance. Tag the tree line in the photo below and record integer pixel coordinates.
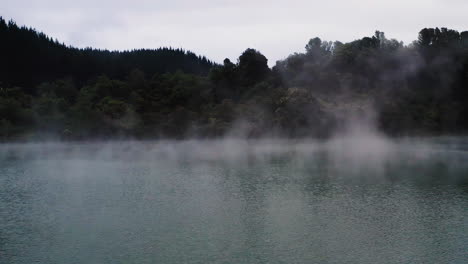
(48, 89)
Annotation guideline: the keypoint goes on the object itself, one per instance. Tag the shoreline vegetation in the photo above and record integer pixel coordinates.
(50, 91)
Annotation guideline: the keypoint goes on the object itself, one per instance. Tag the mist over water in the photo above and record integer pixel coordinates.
(356, 198)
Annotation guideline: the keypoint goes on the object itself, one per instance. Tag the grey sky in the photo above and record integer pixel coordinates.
(224, 28)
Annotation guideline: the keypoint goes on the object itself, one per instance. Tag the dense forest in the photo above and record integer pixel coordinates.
(50, 90)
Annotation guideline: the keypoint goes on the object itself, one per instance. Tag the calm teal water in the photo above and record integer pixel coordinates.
(344, 201)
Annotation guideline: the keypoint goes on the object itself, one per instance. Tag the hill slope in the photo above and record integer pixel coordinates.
(30, 57)
(48, 89)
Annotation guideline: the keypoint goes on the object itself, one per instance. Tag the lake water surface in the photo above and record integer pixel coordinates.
(357, 200)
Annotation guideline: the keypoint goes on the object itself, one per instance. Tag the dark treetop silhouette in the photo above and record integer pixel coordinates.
(48, 89)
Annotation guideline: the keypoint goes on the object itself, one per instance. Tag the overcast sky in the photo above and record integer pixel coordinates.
(224, 28)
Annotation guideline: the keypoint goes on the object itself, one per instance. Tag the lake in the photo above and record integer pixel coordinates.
(347, 200)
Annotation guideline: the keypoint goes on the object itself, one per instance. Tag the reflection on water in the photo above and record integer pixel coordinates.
(235, 202)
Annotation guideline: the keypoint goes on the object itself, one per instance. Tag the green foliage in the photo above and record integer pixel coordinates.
(26, 52)
(85, 93)
(112, 108)
(252, 67)
(7, 129)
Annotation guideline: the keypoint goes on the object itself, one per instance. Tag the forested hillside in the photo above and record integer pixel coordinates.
(33, 57)
(48, 89)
